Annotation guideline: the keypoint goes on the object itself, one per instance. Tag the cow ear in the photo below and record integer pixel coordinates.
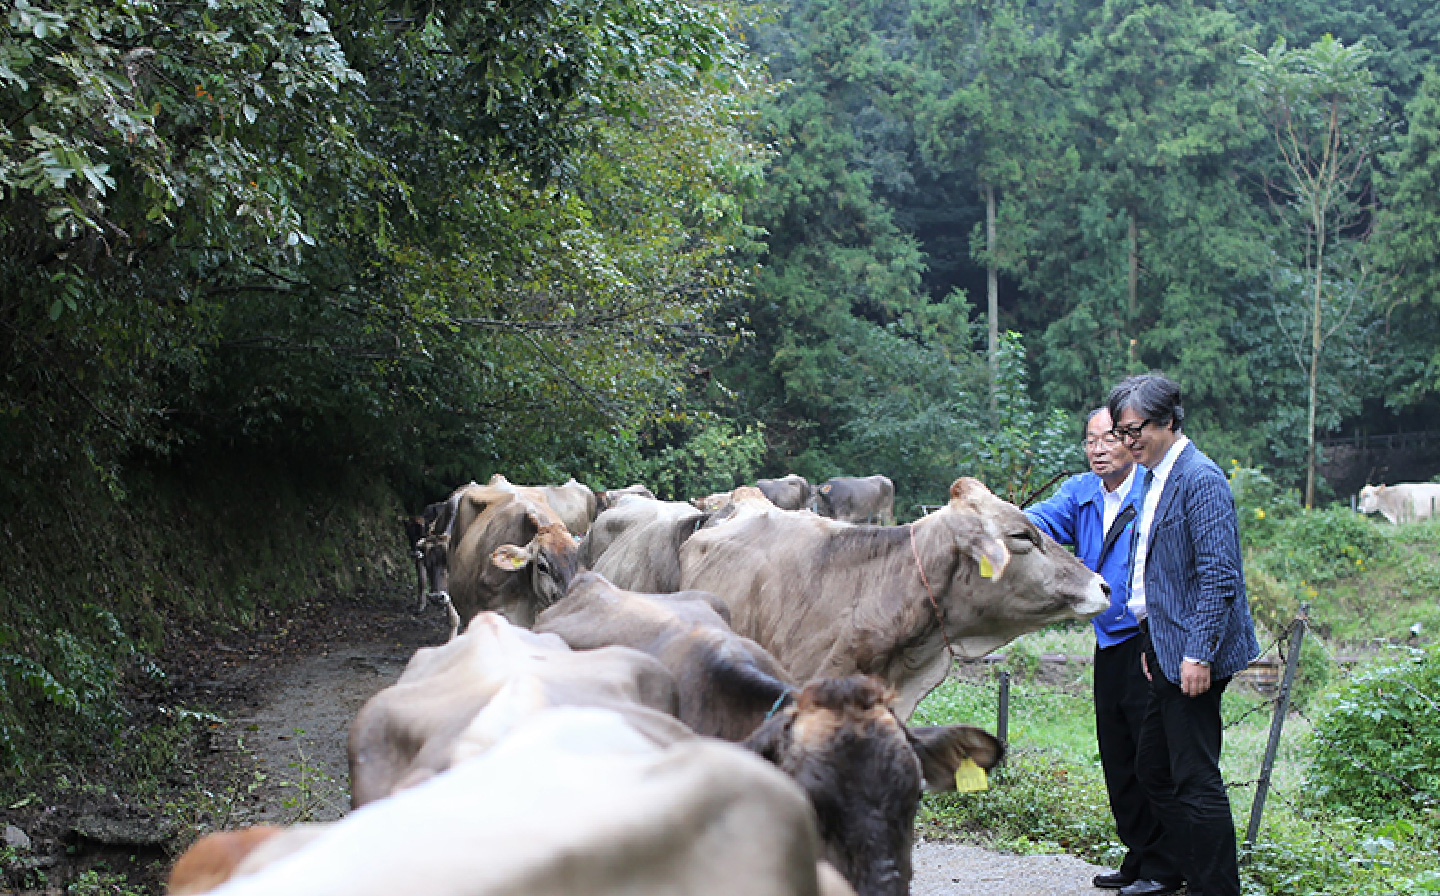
(987, 551)
(942, 748)
(769, 740)
(510, 558)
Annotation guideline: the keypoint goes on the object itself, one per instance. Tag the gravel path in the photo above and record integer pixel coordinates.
(292, 723)
(950, 869)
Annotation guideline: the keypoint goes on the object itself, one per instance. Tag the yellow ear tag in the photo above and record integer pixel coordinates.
(987, 569)
(971, 778)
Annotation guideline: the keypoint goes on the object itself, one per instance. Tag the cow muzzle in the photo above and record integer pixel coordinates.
(1095, 600)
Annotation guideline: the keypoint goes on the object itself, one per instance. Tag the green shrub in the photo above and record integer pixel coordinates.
(1376, 750)
(1320, 546)
(1260, 503)
(716, 458)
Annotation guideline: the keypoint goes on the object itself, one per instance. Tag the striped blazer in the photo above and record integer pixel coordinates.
(1194, 583)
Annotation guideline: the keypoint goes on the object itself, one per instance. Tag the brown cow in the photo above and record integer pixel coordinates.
(869, 499)
(790, 492)
(573, 800)
(610, 497)
(457, 700)
(861, 767)
(725, 684)
(505, 552)
(636, 544)
(572, 502)
(829, 599)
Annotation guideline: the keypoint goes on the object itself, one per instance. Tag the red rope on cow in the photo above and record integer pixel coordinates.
(939, 616)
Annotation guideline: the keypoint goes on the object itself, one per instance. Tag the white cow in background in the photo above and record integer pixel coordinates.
(1405, 502)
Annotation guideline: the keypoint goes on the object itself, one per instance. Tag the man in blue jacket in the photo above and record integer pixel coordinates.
(1187, 588)
(1095, 513)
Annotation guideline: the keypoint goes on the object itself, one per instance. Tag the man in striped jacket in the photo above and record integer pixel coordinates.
(1187, 588)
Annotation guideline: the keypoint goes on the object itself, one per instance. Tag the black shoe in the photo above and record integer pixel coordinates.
(1150, 888)
(1112, 880)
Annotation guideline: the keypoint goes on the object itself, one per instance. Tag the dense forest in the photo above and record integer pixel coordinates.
(692, 243)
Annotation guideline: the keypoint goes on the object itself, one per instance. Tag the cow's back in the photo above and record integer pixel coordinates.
(457, 700)
(790, 492)
(1420, 500)
(573, 801)
(769, 569)
(725, 682)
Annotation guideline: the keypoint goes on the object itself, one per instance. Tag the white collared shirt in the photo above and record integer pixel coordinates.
(1147, 517)
(1112, 500)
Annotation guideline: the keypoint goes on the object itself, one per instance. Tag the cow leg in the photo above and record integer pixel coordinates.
(443, 598)
(424, 585)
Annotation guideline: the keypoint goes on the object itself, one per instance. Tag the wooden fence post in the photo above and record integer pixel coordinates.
(1002, 719)
(1282, 706)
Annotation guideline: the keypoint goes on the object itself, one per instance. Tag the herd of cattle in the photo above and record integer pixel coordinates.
(667, 697)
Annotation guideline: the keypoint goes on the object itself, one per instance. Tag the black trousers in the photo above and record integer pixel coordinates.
(1122, 693)
(1179, 766)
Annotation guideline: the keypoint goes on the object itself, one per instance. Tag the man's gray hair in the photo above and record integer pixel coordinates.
(1085, 430)
(1153, 396)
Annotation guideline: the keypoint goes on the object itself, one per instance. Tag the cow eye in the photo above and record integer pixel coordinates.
(1031, 539)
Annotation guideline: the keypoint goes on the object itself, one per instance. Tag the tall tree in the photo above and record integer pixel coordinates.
(1324, 114)
(1408, 253)
(989, 106)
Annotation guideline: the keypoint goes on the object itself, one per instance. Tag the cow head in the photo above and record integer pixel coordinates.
(863, 771)
(1012, 578)
(551, 557)
(1370, 498)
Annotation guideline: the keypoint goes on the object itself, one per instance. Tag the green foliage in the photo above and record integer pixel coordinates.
(1049, 793)
(97, 882)
(1326, 120)
(1409, 246)
(716, 458)
(400, 237)
(1317, 851)
(1377, 748)
(1036, 804)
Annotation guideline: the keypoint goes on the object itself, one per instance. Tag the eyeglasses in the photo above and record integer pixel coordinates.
(1109, 440)
(1131, 432)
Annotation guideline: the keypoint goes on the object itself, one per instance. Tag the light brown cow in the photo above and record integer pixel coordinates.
(636, 543)
(610, 497)
(829, 599)
(505, 552)
(573, 800)
(459, 699)
(861, 767)
(573, 502)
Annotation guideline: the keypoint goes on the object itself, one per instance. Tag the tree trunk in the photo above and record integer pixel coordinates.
(1318, 217)
(992, 293)
(1132, 307)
